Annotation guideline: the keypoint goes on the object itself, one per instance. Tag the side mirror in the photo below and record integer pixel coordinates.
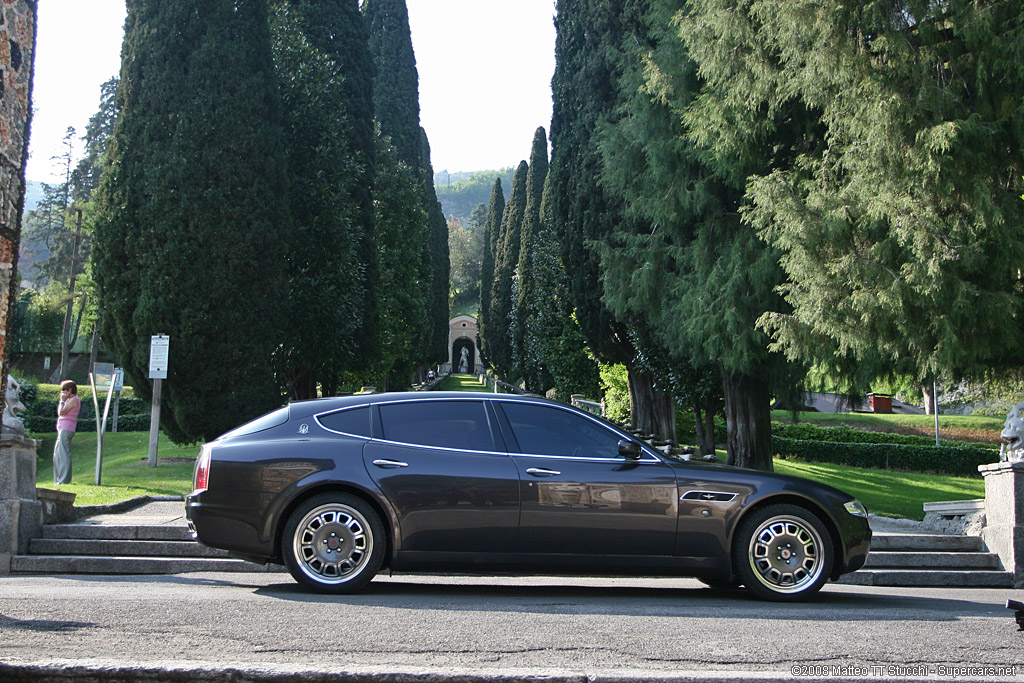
(629, 449)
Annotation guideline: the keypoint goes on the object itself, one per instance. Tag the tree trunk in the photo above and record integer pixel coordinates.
(929, 398)
(748, 415)
(652, 410)
(704, 417)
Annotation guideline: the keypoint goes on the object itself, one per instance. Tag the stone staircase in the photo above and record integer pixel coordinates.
(124, 549)
(940, 560)
(895, 560)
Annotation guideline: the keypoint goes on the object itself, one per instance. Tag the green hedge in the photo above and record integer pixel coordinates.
(956, 460)
(805, 431)
(132, 416)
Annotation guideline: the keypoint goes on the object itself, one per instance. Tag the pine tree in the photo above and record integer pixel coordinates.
(189, 241)
(690, 266)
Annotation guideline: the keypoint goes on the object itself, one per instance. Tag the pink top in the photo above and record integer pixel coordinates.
(67, 422)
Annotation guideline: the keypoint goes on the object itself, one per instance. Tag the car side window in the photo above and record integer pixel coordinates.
(460, 425)
(355, 421)
(547, 430)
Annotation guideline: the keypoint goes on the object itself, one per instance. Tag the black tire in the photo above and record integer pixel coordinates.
(333, 543)
(782, 553)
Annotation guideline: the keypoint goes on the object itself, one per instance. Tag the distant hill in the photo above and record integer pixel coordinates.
(33, 193)
(460, 193)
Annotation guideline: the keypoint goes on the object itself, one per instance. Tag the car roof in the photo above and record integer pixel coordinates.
(300, 409)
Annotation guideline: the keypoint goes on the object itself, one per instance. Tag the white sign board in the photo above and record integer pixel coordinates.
(158, 353)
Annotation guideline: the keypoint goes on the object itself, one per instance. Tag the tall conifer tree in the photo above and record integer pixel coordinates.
(583, 88)
(492, 229)
(396, 104)
(326, 295)
(528, 303)
(189, 242)
(337, 28)
(499, 337)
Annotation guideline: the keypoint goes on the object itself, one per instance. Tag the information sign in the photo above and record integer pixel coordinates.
(158, 355)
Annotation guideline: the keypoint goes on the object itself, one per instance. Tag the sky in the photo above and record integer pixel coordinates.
(485, 70)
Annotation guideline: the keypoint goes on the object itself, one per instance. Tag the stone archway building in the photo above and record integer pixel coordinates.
(462, 334)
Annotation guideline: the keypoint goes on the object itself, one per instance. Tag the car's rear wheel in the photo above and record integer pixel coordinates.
(783, 553)
(333, 543)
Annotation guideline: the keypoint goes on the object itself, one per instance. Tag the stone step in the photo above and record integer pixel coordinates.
(117, 533)
(86, 564)
(921, 578)
(932, 560)
(926, 543)
(104, 547)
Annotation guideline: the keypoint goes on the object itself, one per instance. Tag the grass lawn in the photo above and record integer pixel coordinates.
(893, 494)
(461, 383)
(126, 472)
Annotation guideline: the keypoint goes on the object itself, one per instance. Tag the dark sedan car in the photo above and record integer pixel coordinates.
(337, 489)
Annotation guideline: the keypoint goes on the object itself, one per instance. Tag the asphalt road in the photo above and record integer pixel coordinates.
(263, 627)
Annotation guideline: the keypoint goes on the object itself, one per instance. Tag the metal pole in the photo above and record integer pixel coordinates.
(935, 409)
(154, 422)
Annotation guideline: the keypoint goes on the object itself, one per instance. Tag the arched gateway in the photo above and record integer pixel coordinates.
(463, 354)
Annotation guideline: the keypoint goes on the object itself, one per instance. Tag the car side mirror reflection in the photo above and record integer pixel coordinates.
(629, 449)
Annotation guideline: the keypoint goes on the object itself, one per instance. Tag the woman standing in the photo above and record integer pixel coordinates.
(67, 420)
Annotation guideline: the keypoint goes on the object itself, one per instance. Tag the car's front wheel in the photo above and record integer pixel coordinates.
(783, 552)
(333, 543)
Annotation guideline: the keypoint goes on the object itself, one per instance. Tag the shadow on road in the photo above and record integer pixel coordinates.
(834, 603)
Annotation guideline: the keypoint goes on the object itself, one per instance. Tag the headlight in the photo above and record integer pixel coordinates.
(856, 508)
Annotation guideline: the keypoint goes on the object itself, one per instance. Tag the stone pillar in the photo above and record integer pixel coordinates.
(1004, 512)
(21, 515)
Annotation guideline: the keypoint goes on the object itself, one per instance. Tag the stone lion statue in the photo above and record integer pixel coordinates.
(1012, 436)
(13, 423)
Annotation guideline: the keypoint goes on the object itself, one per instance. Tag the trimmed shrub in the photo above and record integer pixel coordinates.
(955, 460)
(805, 431)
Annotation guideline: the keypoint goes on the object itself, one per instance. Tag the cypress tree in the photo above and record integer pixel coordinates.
(499, 337)
(528, 304)
(583, 89)
(396, 103)
(492, 229)
(403, 299)
(337, 28)
(326, 291)
(189, 241)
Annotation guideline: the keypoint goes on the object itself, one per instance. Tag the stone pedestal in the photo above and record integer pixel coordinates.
(1004, 510)
(21, 516)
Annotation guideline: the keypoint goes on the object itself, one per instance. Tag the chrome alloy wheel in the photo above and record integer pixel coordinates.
(786, 554)
(332, 543)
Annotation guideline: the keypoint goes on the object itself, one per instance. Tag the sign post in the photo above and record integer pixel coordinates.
(102, 375)
(158, 355)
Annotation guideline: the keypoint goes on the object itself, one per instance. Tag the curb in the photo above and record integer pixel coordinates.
(111, 672)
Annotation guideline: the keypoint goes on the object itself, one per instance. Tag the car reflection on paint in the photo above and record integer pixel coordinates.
(338, 489)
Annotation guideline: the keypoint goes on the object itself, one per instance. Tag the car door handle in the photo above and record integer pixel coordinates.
(541, 472)
(390, 464)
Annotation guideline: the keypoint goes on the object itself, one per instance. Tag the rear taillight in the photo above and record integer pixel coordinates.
(202, 475)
